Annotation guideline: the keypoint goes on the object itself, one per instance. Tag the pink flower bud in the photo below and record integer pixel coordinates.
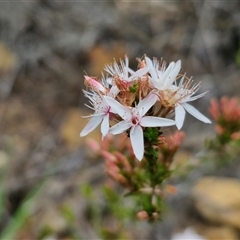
(235, 136)
(123, 160)
(117, 177)
(142, 215)
(111, 166)
(170, 189)
(214, 109)
(94, 84)
(108, 156)
(219, 130)
(93, 145)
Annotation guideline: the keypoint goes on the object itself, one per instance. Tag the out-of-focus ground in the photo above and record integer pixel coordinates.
(46, 47)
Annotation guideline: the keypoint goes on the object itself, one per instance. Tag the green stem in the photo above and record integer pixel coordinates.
(151, 156)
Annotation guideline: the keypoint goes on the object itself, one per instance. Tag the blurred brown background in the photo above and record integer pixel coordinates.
(47, 46)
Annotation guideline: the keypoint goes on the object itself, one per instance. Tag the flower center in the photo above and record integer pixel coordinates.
(135, 120)
(168, 98)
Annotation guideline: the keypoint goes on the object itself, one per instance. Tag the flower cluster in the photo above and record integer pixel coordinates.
(226, 113)
(133, 101)
(147, 186)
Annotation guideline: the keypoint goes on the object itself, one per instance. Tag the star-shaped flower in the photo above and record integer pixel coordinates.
(123, 72)
(173, 95)
(102, 111)
(135, 119)
(184, 95)
(162, 77)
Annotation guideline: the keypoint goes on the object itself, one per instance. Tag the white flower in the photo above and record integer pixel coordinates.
(134, 119)
(163, 78)
(102, 111)
(123, 71)
(184, 95)
(172, 95)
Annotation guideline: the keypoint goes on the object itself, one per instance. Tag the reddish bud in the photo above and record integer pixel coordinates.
(171, 189)
(108, 156)
(94, 84)
(142, 215)
(214, 109)
(235, 136)
(93, 145)
(123, 160)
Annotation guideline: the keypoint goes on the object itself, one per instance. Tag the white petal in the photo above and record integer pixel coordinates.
(113, 92)
(173, 74)
(151, 69)
(156, 122)
(145, 104)
(140, 72)
(157, 84)
(179, 116)
(168, 70)
(121, 110)
(195, 97)
(193, 111)
(93, 115)
(136, 136)
(92, 124)
(131, 71)
(125, 69)
(105, 125)
(120, 127)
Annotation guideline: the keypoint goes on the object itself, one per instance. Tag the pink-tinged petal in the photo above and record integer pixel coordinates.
(136, 136)
(105, 125)
(145, 104)
(121, 110)
(151, 69)
(179, 116)
(194, 112)
(97, 86)
(173, 72)
(92, 124)
(120, 127)
(156, 122)
(112, 110)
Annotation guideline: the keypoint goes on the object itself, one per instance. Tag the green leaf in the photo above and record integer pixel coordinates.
(20, 216)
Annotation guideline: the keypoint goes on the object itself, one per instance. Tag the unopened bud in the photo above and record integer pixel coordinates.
(124, 161)
(155, 215)
(108, 156)
(235, 136)
(171, 189)
(219, 130)
(111, 166)
(117, 177)
(94, 84)
(142, 215)
(94, 145)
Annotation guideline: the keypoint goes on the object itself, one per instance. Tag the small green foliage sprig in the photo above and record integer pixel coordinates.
(143, 180)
